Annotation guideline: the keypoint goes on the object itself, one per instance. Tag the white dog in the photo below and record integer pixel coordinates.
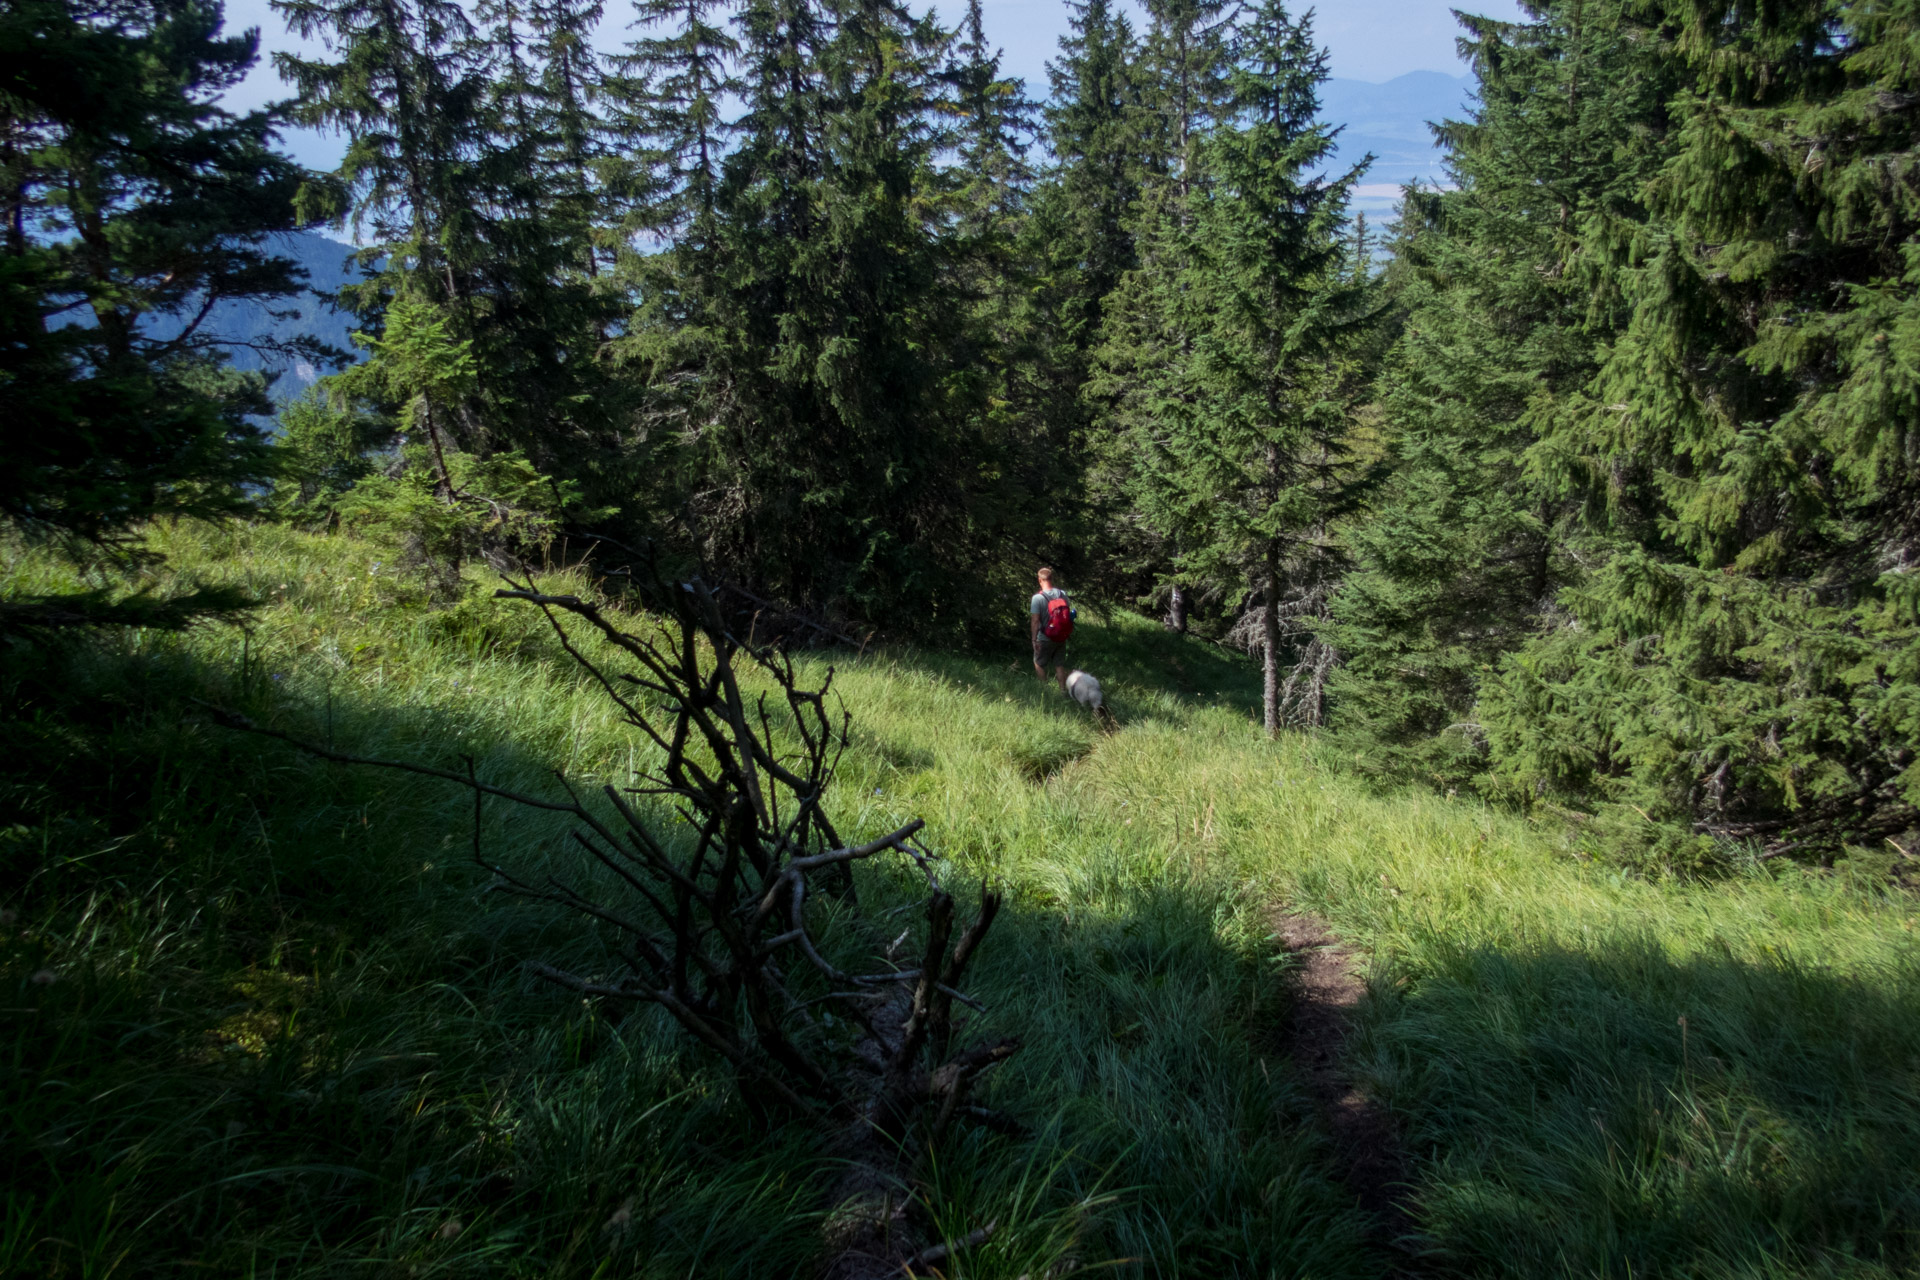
(1085, 690)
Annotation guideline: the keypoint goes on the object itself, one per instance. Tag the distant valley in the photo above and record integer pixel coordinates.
(1391, 121)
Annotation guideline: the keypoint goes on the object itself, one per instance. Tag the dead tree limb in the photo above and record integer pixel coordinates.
(714, 918)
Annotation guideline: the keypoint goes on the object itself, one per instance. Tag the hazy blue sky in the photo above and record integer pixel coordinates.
(1368, 39)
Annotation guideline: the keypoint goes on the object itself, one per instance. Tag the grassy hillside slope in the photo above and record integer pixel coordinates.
(258, 1019)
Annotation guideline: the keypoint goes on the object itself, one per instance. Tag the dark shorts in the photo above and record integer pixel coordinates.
(1046, 651)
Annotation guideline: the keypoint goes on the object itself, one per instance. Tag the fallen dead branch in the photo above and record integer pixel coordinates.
(716, 922)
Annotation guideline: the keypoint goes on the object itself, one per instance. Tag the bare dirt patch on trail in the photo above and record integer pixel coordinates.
(1326, 992)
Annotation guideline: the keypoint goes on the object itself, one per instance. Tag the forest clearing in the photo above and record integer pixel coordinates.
(271, 1028)
(526, 749)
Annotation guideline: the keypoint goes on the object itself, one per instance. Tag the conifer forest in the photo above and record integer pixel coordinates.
(564, 790)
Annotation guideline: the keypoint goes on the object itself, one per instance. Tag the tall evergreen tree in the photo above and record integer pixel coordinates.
(1465, 552)
(1096, 129)
(1078, 242)
(663, 232)
(999, 122)
(1744, 657)
(543, 314)
(709, 304)
(406, 90)
(1185, 61)
(134, 204)
(573, 82)
(1647, 551)
(470, 177)
(1010, 368)
(672, 86)
(1145, 340)
(834, 428)
(1255, 440)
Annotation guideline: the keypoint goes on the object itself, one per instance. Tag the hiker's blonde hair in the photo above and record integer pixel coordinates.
(1046, 574)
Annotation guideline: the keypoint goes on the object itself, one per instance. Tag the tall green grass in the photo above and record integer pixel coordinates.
(259, 1019)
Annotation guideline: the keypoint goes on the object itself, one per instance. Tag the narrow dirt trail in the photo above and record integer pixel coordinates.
(1326, 992)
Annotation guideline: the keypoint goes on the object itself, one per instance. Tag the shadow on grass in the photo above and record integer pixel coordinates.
(1139, 1021)
(1572, 1125)
(259, 1020)
(256, 1019)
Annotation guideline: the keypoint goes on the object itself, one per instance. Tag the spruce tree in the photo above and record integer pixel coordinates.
(1185, 64)
(817, 356)
(883, 327)
(1078, 243)
(470, 179)
(1029, 498)
(540, 314)
(1646, 549)
(443, 505)
(668, 106)
(1140, 380)
(1465, 552)
(134, 204)
(1095, 127)
(1258, 465)
(405, 88)
(1744, 658)
(406, 85)
(662, 233)
(712, 304)
(573, 80)
(998, 124)
(665, 105)
(1145, 336)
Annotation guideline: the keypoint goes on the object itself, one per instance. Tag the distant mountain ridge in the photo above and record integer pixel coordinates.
(1393, 122)
(329, 264)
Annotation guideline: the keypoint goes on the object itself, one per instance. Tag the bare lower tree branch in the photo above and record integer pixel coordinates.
(702, 911)
(701, 922)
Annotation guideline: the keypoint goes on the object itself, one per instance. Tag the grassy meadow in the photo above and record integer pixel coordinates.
(259, 1018)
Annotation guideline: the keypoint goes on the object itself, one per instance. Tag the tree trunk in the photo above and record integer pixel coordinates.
(1177, 610)
(443, 486)
(1270, 641)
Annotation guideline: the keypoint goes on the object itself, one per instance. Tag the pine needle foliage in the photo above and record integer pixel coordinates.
(474, 182)
(1647, 550)
(134, 204)
(1229, 343)
(1748, 439)
(1461, 558)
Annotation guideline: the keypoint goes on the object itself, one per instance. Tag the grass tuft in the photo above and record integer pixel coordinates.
(1049, 750)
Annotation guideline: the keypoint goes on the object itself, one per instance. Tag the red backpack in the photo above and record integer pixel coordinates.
(1059, 624)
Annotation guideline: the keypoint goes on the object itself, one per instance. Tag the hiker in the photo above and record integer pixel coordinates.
(1050, 620)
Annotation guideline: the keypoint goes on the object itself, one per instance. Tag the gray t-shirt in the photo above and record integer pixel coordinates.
(1038, 607)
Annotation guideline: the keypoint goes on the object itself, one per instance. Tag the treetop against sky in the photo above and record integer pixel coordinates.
(1372, 40)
